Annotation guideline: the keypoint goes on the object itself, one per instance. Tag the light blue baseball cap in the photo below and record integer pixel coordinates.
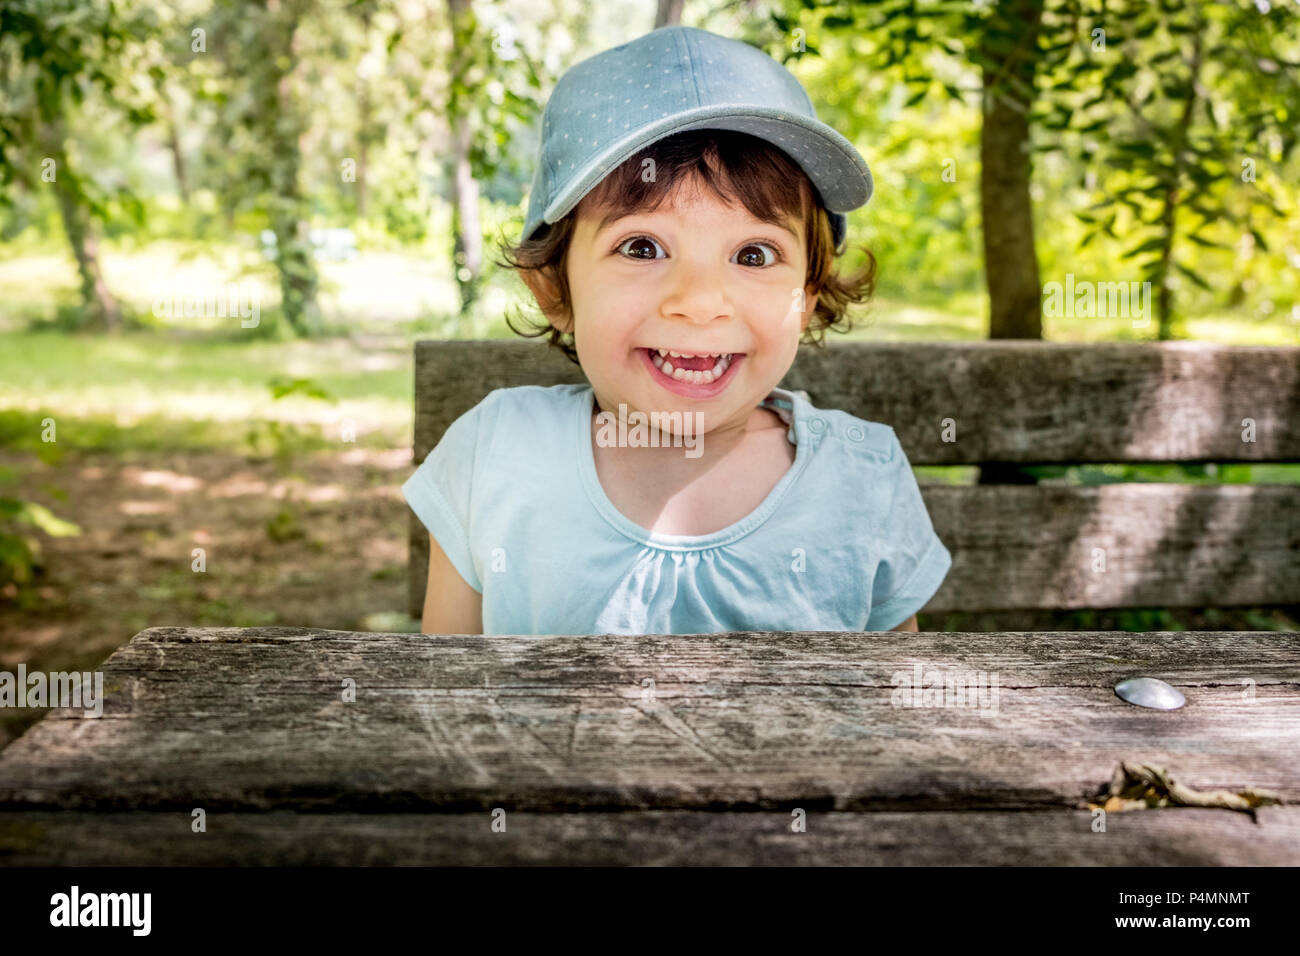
(609, 107)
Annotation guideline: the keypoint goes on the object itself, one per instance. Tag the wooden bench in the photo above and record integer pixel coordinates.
(615, 749)
(1003, 403)
(711, 747)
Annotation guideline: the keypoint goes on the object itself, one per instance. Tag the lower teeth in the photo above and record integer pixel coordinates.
(693, 376)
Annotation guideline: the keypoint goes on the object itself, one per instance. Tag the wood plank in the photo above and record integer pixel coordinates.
(1114, 546)
(1107, 546)
(1012, 401)
(1051, 402)
(233, 719)
(1179, 837)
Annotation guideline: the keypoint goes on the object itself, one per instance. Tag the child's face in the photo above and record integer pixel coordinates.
(695, 276)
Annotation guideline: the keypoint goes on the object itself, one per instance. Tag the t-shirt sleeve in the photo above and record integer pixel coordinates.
(913, 560)
(441, 492)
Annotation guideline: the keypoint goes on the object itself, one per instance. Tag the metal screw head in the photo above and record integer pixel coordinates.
(1150, 692)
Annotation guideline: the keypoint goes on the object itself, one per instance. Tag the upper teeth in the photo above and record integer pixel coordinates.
(665, 352)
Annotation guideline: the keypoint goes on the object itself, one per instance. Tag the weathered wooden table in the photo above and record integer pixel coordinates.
(703, 749)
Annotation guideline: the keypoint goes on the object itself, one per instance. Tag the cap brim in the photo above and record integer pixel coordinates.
(832, 163)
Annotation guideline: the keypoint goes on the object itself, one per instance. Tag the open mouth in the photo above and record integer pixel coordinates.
(702, 368)
(697, 375)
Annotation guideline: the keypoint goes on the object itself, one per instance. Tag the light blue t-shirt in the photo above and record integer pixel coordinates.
(842, 543)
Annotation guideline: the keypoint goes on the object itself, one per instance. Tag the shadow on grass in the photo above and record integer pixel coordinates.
(20, 431)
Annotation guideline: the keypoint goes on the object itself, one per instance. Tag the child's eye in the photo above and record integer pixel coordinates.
(642, 242)
(775, 258)
(645, 247)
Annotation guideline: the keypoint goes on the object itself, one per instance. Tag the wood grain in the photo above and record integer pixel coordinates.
(252, 719)
(1012, 401)
(1113, 546)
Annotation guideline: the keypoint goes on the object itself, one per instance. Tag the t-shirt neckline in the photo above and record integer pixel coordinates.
(683, 542)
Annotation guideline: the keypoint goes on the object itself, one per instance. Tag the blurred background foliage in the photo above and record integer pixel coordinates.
(183, 134)
(352, 166)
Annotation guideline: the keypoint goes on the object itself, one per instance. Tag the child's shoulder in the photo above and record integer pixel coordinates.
(532, 398)
(508, 419)
(861, 437)
(527, 408)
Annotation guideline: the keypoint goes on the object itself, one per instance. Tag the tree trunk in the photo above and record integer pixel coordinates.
(467, 230)
(1165, 294)
(1010, 261)
(669, 13)
(363, 146)
(296, 267)
(101, 309)
(364, 112)
(174, 147)
(1168, 214)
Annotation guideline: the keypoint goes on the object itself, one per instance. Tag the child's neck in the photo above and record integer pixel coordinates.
(715, 444)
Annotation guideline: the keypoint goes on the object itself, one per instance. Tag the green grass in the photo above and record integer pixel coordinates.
(1207, 474)
(383, 291)
(151, 390)
(963, 317)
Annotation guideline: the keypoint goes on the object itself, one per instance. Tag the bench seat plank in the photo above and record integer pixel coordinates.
(235, 719)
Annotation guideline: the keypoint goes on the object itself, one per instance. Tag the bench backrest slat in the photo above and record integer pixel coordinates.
(1028, 403)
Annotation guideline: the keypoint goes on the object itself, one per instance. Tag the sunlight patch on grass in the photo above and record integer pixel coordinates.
(111, 391)
(379, 287)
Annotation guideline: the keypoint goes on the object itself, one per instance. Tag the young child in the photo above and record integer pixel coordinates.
(682, 228)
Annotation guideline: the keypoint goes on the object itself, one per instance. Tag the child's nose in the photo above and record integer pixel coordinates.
(697, 291)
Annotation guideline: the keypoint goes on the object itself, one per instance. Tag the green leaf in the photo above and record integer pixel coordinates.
(281, 387)
(1151, 245)
(1143, 148)
(1192, 275)
(1209, 112)
(1207, 243)
(29, 512)
(1145, 29)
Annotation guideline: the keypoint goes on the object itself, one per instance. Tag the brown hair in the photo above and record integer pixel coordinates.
(731, 164)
